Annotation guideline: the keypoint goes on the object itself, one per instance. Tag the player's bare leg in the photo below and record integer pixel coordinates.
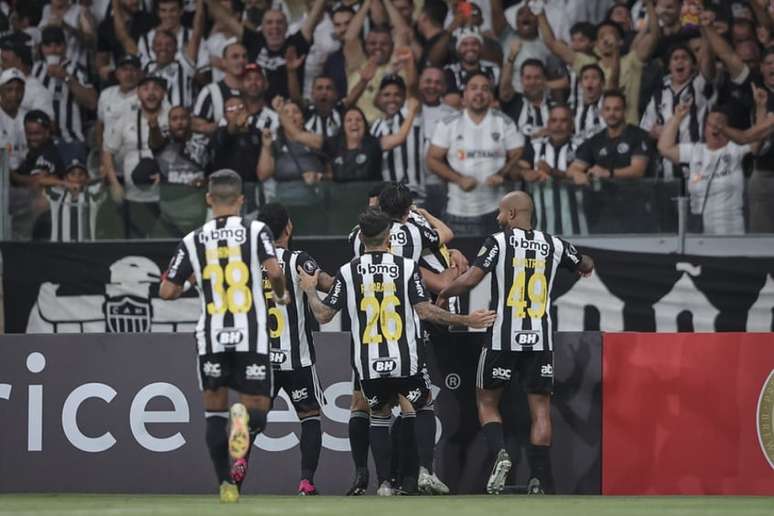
(216, 413)
(428, 482)
(311, 444)
(359, 414)
(248, 419)
(540, 443)
(488, 402)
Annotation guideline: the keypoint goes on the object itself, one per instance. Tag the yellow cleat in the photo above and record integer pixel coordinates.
(229, 493)
(239, 437)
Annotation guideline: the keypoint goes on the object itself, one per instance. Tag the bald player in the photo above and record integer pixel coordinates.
(523, 264)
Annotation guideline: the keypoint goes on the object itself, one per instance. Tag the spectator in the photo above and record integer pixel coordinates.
(558, 206)
(588, 118)
(530, 109)
(624, 72)
(475, 152)
(24, 19)
(268, 46)
(42, 165)
(219, 37)
(73, 206)
(621, 151)
(324, 115)
(187, 41)
(76, 22)
(182, 159)
(12, 116)
(253, 90)
(354, 153)
(128, 144)
(490, 49)
(212, 98)
(67, 82)
(690, 82)
(716, 184)
(434, 39)
(116, 101)
(335, 65)
(14, 54)
(469, 53)
(288, 159)
(582, 36)
(137, 22)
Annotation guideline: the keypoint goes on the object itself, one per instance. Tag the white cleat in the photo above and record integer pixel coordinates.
(385, 489)
(430, 484)
(500, 470)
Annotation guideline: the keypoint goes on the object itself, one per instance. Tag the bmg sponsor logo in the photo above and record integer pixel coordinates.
(385, 269)
(529, 245)
(237, 235)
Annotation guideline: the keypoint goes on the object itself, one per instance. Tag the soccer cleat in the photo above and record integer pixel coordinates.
(239, 437)
(429, 484)
(239, 471)
(500, 470)
(306, 488)
(534, 487)
(229, 493)
(386, 489)
(360, 485)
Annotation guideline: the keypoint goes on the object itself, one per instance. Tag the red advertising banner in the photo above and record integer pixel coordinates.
(688, 414)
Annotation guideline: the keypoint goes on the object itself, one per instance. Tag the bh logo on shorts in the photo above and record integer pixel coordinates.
(255, 372)
(501, 373)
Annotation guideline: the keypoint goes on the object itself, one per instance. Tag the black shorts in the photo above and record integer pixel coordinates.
(384, 391)
(534, 368)
(246, 372)
(302, 386)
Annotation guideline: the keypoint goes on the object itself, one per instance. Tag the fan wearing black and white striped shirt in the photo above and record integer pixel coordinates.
(588, 111)
(385, 299)
(403, 163)
(325, 115)
(292, 347)
(558, 203)
(522, 263)
(178, 73)
(73, 207)
(689, 81)
(66, 81)
(469, 45)
(529, 110)
(210, 103)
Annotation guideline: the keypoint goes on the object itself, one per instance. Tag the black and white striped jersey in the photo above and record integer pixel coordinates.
(522, 265)
(328, 125)
(406, 240)
(66, 109)
(574, 95)
(74, 218)
(225, 257)
(588, 119)
(559, 206)
(378, 291)
(291, 325)
(179, 75)
(457, 75)
(402, 164)
(211, 100)
(528, 117)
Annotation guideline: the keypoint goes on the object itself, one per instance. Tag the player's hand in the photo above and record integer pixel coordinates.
(308, 281)
(495, 180)
(481, 318)
(284, 300)
(467, 183)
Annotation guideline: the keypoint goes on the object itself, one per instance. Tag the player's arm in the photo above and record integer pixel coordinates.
(437, 281)
(277, 279)
(478, 319)
(324, 282)
(586, 265)
(445, 233)
(323, 311)
(464, 283)
(179, 275)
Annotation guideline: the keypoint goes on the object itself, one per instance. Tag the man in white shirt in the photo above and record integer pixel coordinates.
(14, 54)
(128, 143)
(117, 100)
(475, 151)
(12, 116)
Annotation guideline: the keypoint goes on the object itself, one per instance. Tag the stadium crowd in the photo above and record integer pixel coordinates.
(114, 112)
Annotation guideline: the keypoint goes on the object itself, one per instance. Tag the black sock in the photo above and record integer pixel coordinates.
(494, 436)
(311, 443)
(409, 462)
(358, 438)
(379, 434)
(217, 444)
(425, 430)
(539, 459)
(395, 472)
(255, 426)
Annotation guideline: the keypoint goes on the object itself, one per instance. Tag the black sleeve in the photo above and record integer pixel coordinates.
(180, 268)
(417, 292)
(265, 245)
(306, 262)
(430, 238)
(570, 258)
(488, 255)
(585, 152)
(298, 40)
(529, 153)
(337, 296)
(253, 42)
(104, 35)
(640, 145)
(451, 82)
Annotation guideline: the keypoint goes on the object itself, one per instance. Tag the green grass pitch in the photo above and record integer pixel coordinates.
(120, 505)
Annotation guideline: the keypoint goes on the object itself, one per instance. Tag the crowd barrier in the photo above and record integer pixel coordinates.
(682, 414)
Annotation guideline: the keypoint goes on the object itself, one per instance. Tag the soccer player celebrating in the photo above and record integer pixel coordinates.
(225, 258)
(385, 299)
(292, 350)
(523, 263)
